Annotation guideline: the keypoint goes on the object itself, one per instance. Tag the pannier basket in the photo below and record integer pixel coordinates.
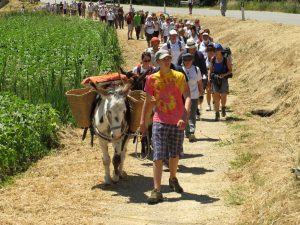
(80, 102)
(136, 101)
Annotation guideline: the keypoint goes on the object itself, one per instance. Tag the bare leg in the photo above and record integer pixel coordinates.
(217, 98)
(173, 163)
(223, 99)
(208, 95)
(157, 173)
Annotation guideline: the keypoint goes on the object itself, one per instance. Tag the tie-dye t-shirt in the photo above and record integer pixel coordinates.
(167, 91)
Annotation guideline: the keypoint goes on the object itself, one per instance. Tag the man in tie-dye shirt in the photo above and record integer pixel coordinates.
(169, 121)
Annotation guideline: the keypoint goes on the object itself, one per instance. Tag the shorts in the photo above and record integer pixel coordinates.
(204, 81)
(103, 18)
(148, 36)
(167, 141)
(130, 27)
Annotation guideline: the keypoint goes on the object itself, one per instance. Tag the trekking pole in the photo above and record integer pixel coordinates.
(243, 9)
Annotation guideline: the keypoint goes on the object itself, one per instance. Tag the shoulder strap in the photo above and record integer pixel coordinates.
(196, 70)
(169, 45)
(138, 70)
(179, 43)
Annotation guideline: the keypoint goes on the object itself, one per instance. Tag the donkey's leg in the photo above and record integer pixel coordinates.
(106, 161)
(123, 156)
(117, 160)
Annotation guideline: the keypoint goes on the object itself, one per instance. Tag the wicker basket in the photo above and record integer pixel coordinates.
(136, 101)
(80, 102)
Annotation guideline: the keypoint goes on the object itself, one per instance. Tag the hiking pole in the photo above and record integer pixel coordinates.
(243, 9)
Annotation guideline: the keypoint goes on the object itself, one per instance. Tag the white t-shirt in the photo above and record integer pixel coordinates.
(149, 27)
(102, 12)
(194, 76)
(175, 50)
(166, 29)
(110, 16)
(135, 70)
(90, 7)
(202, 48)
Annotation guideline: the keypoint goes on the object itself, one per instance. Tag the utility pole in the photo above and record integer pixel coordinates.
(165, 11)
(243, 9)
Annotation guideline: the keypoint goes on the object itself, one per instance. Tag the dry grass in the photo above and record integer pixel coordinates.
(267, 76)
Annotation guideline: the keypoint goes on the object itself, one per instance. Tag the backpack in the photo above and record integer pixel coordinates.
(128, 19)
(179, 43)
(224, 63)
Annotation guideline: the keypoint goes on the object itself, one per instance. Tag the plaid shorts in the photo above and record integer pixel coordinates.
(167, 141)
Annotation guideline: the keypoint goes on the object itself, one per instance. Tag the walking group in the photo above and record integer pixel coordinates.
(183, 63)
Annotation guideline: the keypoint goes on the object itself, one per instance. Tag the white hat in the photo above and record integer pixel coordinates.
(161, 54)
(190, 43)
(173, 32)
(188, 22)
(205, 34)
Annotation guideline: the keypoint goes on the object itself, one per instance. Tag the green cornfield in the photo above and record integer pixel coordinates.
(42, 56)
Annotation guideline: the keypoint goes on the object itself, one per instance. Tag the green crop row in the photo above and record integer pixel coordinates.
(27, 132)
(42, 56)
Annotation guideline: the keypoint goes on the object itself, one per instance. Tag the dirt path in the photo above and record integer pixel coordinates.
(66, 187)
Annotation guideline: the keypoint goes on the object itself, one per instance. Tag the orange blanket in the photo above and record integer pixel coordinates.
(104, 78)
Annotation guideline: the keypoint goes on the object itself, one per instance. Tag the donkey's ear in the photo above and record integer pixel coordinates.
(103, 92)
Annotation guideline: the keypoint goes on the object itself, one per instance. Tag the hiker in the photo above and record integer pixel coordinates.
(102, 14)
(194, 78)
(110, 17)
(219, 71)
(223, 7)
(157, 25)
(121, 17)
(143, 21)
(174, 46)
(79, 8)
(129, 21)
(90, 9)
(197, 25)
(166, 28)
(153, 49)
(137, 24)
(149, 29)
(170, 117)
(193, 34)
(210, 52)
(190, 2)
(143, 67)
(202, 47)
(199, 60)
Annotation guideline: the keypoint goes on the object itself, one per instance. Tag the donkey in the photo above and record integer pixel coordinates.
(110, 124)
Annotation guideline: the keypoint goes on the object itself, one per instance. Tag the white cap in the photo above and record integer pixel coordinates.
(188, 22)
(205, 34)
(173, 32)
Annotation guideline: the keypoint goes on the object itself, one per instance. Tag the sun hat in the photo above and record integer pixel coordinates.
(187, 56)
(188, 22)
(173, 32)
(154, 39)
(218, 46)
(161, 54)
(190, 43)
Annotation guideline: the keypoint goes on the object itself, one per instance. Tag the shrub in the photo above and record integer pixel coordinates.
(27, 132)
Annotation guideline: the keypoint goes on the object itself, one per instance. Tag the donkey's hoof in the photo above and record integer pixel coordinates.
(115, 178)
(123, 175)
(107, 180)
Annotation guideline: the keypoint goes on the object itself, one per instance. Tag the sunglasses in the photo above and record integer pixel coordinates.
(187, 60)
(147, 60)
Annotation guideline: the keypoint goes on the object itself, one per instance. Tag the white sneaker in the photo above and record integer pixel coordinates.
(208, 108)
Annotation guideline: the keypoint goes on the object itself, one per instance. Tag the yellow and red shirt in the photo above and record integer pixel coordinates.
(168, 91)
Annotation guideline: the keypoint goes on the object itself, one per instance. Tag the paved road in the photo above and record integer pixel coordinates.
(284, 18)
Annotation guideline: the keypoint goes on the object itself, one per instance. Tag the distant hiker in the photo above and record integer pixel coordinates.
(219, 72)
(149, 29)
(223, 7)
(210, 52)
(169, 121)
(153, 49)
(190, 2)
(129, 21)
(137, 24)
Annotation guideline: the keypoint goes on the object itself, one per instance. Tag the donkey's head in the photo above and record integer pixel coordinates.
(114, 110)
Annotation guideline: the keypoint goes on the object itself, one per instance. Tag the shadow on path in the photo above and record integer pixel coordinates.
(134, 187)
(193, 170)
